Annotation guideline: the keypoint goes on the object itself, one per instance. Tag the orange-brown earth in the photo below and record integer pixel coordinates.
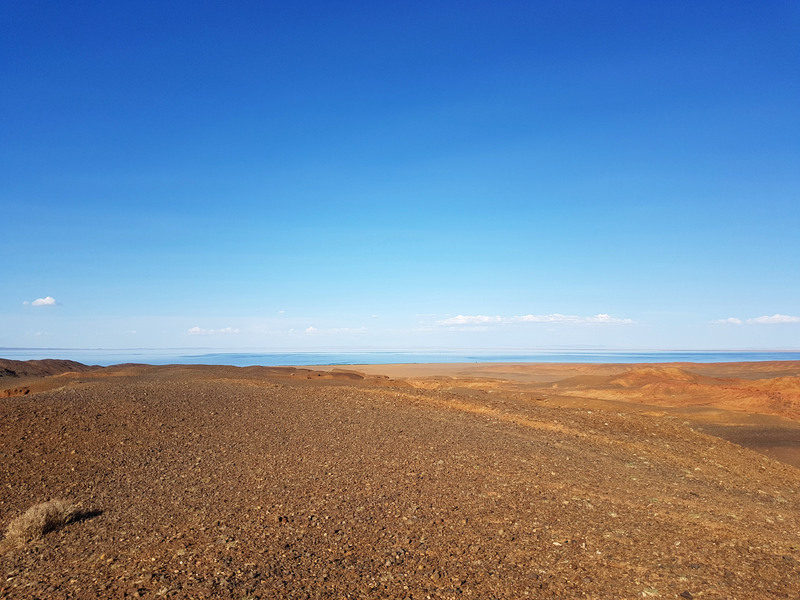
(755, 404)
(405, 481)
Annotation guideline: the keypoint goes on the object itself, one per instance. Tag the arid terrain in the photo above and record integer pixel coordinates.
(403, 481)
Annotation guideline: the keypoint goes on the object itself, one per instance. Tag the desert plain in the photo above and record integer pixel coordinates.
(475, 481)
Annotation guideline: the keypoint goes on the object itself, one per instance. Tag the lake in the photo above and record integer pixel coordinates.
(245, 358)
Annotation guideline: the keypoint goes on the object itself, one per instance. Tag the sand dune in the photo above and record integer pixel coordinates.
(445, 482)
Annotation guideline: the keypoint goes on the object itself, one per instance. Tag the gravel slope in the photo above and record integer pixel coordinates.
(220, 482)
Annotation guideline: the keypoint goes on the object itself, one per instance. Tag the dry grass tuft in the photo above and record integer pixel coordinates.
(39, 520)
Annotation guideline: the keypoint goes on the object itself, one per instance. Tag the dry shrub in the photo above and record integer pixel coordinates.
(39, 520)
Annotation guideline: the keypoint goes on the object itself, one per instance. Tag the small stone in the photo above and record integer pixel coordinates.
(686, 594)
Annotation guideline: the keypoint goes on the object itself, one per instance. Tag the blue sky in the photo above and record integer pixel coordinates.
(400, 175)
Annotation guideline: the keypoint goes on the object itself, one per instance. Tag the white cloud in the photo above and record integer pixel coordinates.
(471, 320)
(46, 301)
(201, 331)
(554, 318)
(559, 318)
(604, 318)
(460, 320)
(774, 319)
(311, 330)
(728, 321)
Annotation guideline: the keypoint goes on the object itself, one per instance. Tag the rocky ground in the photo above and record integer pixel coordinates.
(222, 482)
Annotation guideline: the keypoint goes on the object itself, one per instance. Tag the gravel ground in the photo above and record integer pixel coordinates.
(218, 482)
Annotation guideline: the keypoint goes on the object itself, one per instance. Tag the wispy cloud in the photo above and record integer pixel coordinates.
(471, 320)
(46, 301)
(554, 318)
(201, 331)
(559, 318)
(728, 321)
(776, 319)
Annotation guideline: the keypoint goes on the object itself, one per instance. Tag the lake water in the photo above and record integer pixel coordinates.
(250, 358)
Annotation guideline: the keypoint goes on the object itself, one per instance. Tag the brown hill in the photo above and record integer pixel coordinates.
(650, 375)
(678, 387)
(279, 483)
(40, 368)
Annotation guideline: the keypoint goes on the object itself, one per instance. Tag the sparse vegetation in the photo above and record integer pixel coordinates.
(39, 520)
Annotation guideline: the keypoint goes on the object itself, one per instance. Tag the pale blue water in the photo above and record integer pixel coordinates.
(250, 358)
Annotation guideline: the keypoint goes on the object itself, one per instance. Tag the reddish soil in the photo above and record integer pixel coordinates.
(754, 404)
(225, 482)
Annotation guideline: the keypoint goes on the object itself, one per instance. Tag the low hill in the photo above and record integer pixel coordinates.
(220, 482)
(40, 368)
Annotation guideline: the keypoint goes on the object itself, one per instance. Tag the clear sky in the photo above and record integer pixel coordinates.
(400, 175)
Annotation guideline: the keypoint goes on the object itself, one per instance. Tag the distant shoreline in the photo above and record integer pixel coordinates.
(244, 358)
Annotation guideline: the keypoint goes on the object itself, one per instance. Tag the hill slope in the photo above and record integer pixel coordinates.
(230, 483)
(40, 368)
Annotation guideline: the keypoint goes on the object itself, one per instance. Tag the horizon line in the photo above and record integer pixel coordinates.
(346, 349)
